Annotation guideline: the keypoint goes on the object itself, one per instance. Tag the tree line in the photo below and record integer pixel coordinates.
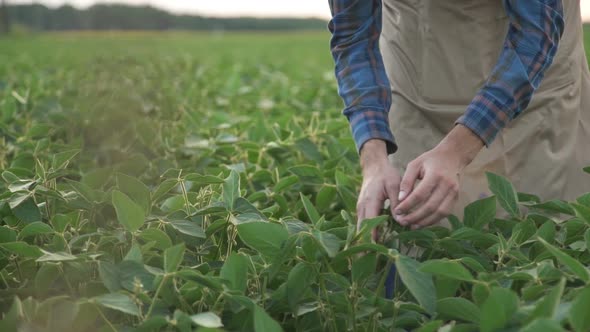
(125, 17)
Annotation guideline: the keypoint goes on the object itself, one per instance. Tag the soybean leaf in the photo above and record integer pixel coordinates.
(556, 206)
(548, 305)
(129, 214)
(164, 188)
(109, 275)
(263, 322)
(161, 239)
(189, 228)
(364, 267)
(119, 302)
(497, 310)
(264, 237)
(207, 319)
(587, 169)
(312, 213)
(574, 265)
(578, 313)
(22, 249)
(368, 225)
(446, 268)
(307, 174)
(136, 190)
(582, 211)
(173, 257)
(543, 325)
(285, 183)
(505, 193)
(34, 229)
(298, 281)
(56, 257)
(458, 308)
(418, 283)
(235, 270)
(480, 213)
(328, 241)
(7, 234)
(27, 211)
(231, 189)
(325, 197)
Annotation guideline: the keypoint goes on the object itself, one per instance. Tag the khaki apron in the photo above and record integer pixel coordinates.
(439, 53)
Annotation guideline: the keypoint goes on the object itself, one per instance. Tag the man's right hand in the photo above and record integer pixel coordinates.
(380, 182)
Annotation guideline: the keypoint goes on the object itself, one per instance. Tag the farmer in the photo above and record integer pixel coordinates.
(465, 87)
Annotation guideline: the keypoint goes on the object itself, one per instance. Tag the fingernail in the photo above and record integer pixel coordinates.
(401, 195)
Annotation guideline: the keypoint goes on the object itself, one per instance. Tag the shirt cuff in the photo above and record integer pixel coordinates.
(485, 116)
(371, 124)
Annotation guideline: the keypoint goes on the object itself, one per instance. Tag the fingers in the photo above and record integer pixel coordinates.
(443, 211)
(368, 209)
(392, 194)
(418, 196)
(409, 179)
(430, 207)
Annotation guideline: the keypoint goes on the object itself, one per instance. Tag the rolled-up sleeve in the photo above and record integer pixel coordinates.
(535, 29)
(362, 81)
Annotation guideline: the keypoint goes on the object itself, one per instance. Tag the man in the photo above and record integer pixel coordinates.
(462, 75)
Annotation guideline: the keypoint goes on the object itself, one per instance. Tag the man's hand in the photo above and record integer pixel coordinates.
(438, 170)
(380, 182)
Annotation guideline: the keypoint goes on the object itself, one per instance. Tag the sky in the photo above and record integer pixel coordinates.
(265, 8)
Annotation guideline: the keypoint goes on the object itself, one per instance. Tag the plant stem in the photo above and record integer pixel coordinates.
(156, 296)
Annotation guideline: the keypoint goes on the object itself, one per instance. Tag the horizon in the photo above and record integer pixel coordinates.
(231, 8)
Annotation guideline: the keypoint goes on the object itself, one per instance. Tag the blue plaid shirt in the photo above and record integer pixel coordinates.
(535, 29)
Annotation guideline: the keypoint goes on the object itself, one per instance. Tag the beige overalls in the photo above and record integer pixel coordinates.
(437, 55)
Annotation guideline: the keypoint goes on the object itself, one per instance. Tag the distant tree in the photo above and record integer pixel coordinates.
(4, 18)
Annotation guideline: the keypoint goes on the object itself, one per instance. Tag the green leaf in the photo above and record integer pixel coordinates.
(543, 325)
(480, 213)
(505, 193)
(164, 188)
(285, 183)
(458, 308)
(56, 257)
(129, 214)
(153, 234)
(134, 254)
(328, 241)
(34, 229)
(46, 276)
(264, 237)
(9, 235)
(130, 272)
(231, 189)
(446, 268)
(136, 190)
(109, 275)
(578, 314)
(22, 249)
(498, 309)
(61, 159)
(418, 283)
(207, 319)
(312, 213)
(189, 228)
(367, 225)
(263, 322)
(582, 211)
(573, 264)
(325, 197)
(548, 305)
(119, 302)
(587, 169)
(307, 174)
(173, 257)
(27, 211)
(364, 267)
(235, 270)
(298, 281)
(557, 206)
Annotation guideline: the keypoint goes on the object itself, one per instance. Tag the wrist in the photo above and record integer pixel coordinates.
(462, 143)
(373, 153)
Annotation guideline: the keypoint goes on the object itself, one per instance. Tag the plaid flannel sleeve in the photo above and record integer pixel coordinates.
(362, 81)
(536, 27)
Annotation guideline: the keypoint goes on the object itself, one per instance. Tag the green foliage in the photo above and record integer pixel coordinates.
(158, 190)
